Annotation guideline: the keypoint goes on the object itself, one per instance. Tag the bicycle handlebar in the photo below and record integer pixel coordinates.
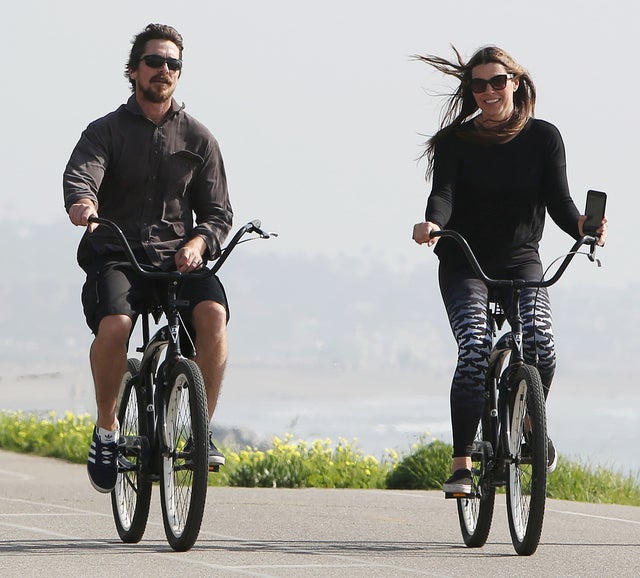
(250, 227)
(520, 283)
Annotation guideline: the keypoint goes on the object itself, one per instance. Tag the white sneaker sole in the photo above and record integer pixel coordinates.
(217, 461)
(457, 488)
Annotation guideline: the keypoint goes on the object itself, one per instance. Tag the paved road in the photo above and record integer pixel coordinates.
(52, 523)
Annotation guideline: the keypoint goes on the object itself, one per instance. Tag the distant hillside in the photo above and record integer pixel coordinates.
(298, 311)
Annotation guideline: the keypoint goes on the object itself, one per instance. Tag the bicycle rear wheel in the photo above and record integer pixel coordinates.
(476, 514)
(527, 477)
(185, 465)
(131, 497)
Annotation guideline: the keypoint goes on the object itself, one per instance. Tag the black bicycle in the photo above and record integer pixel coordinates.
(510, 448)
(162, 410)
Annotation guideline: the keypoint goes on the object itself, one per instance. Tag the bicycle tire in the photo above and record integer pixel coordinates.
(185, 465)
(131, 498)
(476, 514)
(527, 472)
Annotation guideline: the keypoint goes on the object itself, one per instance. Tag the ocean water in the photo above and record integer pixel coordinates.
(379, 411)
(594, 429)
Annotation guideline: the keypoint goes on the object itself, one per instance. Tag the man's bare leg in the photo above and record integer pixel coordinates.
(210, 323)
(108, 363)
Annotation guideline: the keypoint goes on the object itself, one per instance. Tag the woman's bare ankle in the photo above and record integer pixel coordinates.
(461, 463)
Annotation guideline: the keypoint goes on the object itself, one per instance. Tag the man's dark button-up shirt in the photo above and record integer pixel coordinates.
(150, 180)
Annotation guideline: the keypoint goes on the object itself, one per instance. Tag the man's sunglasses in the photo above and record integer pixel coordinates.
(498, 82)
(157, 61)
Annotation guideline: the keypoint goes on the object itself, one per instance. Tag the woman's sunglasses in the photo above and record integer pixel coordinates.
(157, 61)
(498, 82)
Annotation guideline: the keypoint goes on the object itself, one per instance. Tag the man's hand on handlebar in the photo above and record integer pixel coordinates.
(422, 233)
(189, 257)
(80, 212)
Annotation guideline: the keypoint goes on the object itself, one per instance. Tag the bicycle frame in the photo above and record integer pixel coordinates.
(510, 343)
(152, 372)
(514, 399)
(162, 409)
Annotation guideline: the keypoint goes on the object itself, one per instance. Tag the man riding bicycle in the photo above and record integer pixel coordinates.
(150, 167)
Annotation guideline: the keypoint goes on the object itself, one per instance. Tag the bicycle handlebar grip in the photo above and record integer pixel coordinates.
(254, 227)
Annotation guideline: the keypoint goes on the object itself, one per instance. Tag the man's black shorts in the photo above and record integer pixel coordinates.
(112, 287)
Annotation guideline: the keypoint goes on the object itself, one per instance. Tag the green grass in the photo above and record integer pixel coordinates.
(290, 463)
(583, 483)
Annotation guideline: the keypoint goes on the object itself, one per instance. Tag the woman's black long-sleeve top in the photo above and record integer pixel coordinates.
(496, 195)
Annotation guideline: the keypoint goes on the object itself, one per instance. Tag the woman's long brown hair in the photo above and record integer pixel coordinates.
(461, 104)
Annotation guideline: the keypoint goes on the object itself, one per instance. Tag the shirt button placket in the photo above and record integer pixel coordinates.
(151, 194)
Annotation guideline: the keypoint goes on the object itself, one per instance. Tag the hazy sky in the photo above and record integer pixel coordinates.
(320, 114)
(319, 110)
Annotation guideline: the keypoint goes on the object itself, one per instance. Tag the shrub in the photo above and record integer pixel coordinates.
(424, 469)
(299, 464)
(46, 435)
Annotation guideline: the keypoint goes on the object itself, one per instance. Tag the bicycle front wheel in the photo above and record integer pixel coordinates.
(185, 465)
(476, 514)
(527, 477)
(131, 497)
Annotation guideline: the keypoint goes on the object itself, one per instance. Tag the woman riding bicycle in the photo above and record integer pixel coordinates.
(495, 171)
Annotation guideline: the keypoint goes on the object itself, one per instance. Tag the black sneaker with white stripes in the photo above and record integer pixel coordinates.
(216, 457)
(102, 465)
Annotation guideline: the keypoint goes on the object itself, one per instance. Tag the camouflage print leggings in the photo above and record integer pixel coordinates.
(466, 301)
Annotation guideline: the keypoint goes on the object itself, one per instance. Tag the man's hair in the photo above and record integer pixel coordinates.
(139, 42)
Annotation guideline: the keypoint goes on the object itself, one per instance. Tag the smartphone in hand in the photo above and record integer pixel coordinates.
(594, 210)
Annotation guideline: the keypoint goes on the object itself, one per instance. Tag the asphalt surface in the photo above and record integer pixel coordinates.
(52, 523)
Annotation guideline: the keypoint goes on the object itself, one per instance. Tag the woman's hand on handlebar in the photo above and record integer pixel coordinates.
(80, 212)
(422, 233)
(601, 232)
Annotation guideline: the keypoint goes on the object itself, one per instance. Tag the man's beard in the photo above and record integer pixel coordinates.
(157, 93)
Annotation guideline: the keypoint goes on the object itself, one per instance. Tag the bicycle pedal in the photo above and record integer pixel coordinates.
(214, 468)
(459, 495)
(124, 465)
